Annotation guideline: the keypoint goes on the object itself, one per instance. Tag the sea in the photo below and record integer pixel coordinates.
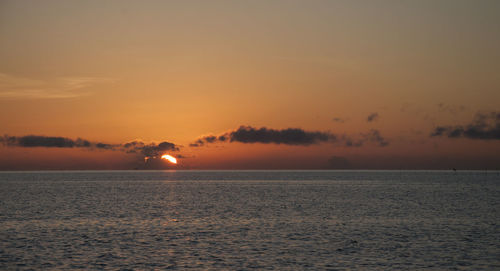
(250, 220)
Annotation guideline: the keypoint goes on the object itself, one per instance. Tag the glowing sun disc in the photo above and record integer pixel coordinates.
(170, 158)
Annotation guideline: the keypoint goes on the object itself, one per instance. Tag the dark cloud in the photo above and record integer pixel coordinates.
(149, 150)
(198, 143)
(248, 134)
(30, 141)
(223, 138)
(485, 126)
(63, 142)
(372, 117)
(83, 143)
(133, 146)
(340, 120)
(290, 136)
(210, 139)
(145, 155)
(40, 141)
(104, 146)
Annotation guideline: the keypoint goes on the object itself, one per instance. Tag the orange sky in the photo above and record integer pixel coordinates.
(174, 71)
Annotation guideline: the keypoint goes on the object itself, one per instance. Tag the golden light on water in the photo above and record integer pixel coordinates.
(170, 158)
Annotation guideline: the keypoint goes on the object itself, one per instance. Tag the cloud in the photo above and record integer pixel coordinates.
(48, 142)
(248, 134)
(104, 146)
(152, 150)
(207, 139)
(290, 136)
(149, 150)
(197, 143)
(15, 87)
(485, 126)
(30, 141)
(374, 136)
(372, 117)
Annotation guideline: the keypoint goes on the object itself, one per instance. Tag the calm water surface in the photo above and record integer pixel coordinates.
(240, 220)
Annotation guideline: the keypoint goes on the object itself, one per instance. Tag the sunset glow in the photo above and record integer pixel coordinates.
(170, 158)
(161, 119)
(249, 85)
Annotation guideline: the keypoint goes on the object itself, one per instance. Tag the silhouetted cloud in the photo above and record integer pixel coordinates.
(248, 134)
(133, 146)
(223, 138)
(197, 143)
(104, 146)
(42, 141)
(50, 142)
(210, 139)
(83, 143)
(485, 126)
(290, 136)
(372, 117)
(207, 139)
(149, 150)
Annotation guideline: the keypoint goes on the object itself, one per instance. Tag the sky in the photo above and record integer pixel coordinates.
(250, 84)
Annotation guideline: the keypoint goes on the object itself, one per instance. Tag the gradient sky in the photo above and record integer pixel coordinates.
(175, 71)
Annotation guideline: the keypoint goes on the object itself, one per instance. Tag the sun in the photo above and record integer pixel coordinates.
(170, 158)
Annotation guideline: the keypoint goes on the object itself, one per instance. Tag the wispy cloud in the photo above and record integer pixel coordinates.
(15, 87)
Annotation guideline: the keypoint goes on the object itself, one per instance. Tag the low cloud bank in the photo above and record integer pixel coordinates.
(50, 142)
(32, 141)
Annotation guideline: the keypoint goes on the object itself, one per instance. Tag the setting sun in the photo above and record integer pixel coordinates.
(170, 158)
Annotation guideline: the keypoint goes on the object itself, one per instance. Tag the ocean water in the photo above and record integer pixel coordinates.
(242, 220)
